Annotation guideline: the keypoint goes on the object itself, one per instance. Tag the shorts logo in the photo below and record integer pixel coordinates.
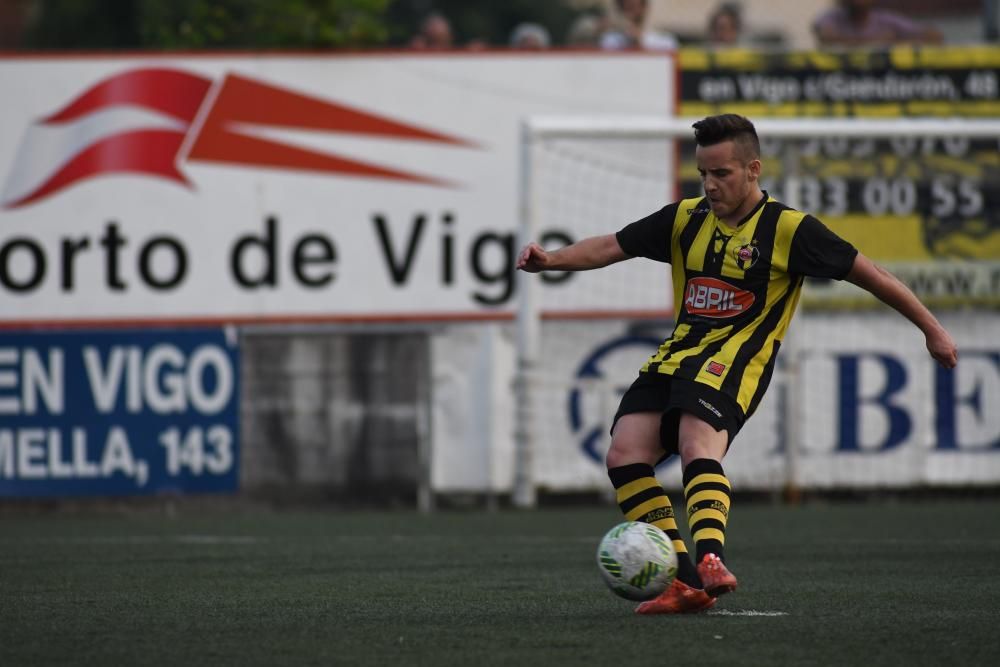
(715, 368)
(711, 408)
(746, 256)
(711, 297)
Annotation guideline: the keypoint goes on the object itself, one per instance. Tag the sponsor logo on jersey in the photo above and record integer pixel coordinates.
(746, 256)
(711, 297)
(715, 368)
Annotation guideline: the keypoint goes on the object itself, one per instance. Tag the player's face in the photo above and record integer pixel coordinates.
(726, 178)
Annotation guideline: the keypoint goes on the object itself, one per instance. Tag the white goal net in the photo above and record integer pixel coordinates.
(855, 401)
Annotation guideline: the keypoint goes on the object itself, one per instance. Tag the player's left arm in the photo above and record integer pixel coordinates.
(888, 288)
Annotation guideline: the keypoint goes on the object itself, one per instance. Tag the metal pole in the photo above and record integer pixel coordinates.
(425, 403)
(527, 344)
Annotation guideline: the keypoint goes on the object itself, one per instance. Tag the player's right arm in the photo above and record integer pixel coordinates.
(590, 253)
(648, 237)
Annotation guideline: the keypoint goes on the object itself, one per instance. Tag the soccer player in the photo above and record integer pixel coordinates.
(738, 261)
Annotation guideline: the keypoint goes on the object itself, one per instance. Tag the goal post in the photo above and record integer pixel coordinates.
(589, 175)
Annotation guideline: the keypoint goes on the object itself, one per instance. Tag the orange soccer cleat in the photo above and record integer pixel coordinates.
(715, 576)
(679, 598)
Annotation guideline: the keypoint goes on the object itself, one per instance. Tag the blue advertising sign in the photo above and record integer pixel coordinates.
(594, 433)
(118, 412)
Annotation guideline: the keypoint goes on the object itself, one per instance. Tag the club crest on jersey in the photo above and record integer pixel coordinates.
(746, 256)
(711, 297)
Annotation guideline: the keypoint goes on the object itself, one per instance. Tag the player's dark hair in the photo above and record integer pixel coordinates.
(729, 127)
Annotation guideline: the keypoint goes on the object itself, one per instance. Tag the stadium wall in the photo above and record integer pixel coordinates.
(329, 217)
(855, 394)
(342, 229)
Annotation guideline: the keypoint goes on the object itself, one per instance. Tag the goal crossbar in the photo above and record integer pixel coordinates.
(638, 127)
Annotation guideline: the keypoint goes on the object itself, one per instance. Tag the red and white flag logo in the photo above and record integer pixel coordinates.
(150, 121)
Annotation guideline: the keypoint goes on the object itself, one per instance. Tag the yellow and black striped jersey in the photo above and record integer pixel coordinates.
(735, 289)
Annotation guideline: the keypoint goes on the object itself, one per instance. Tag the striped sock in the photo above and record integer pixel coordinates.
(707, 492)
(641, 498)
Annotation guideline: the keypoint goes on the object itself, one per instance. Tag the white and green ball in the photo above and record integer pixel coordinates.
(637, 560)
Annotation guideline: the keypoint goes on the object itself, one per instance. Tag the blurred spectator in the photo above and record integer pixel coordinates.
(725, 25)
(530, 36)
(631, 32)
(585, 31)
(435, 33)
(856, 22)
(13, 18)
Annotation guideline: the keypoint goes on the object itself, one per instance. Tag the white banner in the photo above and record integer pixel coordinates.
(280, 187)
(864, 405)
(876, 411)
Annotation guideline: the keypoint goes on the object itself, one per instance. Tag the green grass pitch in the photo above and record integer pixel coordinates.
(877, 583)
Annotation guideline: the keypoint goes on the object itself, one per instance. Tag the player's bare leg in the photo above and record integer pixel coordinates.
(708, 495)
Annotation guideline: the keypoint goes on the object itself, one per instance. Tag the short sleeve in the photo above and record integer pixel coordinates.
(650, 236)
(818, 252)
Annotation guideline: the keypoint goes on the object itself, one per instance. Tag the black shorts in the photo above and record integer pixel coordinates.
(670, 396)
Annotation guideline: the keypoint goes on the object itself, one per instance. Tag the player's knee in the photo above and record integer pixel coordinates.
(697, 439)
(701, 448)
(623, 453)
(615, 458)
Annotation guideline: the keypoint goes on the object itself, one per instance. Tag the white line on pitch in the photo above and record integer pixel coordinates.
(140, 539)
(745, 612)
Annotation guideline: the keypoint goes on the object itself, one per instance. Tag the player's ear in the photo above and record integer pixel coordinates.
(753, 169)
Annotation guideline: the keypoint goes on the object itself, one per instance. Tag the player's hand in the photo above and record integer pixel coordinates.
(942, 347)
(533, 258)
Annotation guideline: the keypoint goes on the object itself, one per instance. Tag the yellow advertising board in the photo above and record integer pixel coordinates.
(927, 207)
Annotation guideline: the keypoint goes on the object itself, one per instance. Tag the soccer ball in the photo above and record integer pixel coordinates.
(637, 560)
